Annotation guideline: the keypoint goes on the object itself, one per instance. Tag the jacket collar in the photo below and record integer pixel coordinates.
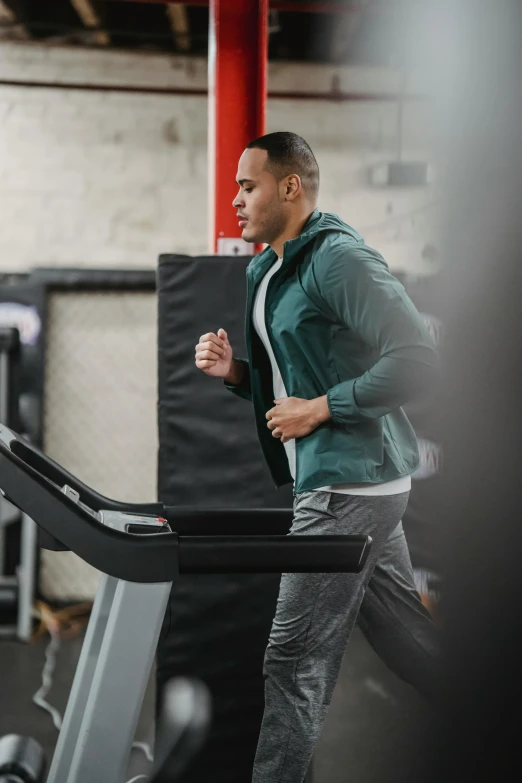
(310, 229)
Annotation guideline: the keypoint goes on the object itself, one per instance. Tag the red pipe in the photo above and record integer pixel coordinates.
(237, 76)
(332, 96)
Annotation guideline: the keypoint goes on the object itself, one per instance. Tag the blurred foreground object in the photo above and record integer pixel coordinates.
(22, 760)
(476, 59)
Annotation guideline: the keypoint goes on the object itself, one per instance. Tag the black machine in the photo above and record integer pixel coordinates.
(17, 552)
(141, 549)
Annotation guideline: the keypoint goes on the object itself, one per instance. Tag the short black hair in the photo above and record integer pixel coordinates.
(288, 153)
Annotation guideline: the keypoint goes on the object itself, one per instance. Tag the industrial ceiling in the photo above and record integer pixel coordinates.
(365, 32)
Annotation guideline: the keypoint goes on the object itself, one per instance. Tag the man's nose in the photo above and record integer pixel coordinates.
(238, 201)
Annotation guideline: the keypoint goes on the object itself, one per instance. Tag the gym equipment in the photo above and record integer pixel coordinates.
(9, 351)
(16, 589)
(21, 760)
(139, 554)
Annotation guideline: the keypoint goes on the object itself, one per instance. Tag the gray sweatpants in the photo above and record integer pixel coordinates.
(315, 616)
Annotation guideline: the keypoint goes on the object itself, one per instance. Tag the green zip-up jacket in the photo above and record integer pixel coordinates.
(340, 324)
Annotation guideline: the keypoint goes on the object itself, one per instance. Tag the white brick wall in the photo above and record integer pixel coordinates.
(113, 179)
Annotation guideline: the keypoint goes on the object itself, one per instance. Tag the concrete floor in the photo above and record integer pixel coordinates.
(372, 728)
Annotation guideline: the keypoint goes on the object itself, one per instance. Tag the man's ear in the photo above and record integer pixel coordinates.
(292, 186)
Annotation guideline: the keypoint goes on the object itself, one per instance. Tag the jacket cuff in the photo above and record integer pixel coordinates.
(242, 389)
(342, 404)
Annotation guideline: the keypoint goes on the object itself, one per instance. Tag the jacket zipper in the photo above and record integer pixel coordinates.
(248, 333)
(279, 364)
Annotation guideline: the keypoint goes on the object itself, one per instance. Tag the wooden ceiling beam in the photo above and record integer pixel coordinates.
(91, 19)
(180, 25)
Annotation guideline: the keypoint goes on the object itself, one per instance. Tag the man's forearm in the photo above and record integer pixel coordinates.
(391, 383)
(236, 374)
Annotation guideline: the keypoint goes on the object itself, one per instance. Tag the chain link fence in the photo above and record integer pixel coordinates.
(100, 409)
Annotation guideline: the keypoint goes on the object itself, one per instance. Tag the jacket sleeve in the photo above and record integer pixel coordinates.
(242, 389)
(358, 287)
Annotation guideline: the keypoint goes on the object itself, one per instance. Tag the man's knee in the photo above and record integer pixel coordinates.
(283, 654)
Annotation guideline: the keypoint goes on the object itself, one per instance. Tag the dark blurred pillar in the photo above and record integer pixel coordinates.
(478, 67)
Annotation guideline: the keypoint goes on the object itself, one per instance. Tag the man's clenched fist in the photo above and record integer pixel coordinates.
(214, 354)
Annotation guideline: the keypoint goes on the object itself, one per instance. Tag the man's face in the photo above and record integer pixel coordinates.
(260, 203)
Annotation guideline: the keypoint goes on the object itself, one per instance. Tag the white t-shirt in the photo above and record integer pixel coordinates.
(395, 487)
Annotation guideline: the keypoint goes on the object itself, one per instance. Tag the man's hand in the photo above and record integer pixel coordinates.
(295, 418)
(214, 354)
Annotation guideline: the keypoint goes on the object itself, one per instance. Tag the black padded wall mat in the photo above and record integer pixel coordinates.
(216, 627)
(208, 449)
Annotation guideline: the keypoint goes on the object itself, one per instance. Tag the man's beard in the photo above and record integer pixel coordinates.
(269, 230)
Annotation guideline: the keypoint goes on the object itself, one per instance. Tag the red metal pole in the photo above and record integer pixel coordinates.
(237, 70)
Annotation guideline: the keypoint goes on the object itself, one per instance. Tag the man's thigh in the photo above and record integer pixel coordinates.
(313, 609)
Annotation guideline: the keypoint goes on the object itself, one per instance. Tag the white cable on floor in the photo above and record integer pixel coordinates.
(145, 747)
(39, 699)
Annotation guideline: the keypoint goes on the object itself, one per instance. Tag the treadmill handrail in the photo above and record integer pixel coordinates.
(129, 556)
(211, 521)
(45, 465)
(159, 557)
(242, 554)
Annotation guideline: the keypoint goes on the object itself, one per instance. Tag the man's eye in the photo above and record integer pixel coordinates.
(249, 190)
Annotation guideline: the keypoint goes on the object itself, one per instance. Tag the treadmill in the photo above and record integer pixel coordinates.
(141, 549)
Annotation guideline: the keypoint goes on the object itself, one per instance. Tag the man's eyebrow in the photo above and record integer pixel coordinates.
(242, 181)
